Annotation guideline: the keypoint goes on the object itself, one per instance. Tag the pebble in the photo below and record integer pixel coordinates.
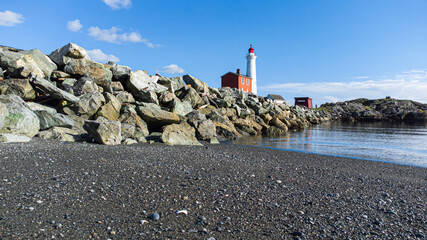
(185, 212)
(155, 216)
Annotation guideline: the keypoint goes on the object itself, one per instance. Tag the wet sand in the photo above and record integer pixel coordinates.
(82, 191)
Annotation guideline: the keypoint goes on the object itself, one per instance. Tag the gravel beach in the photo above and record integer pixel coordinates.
(82, 191)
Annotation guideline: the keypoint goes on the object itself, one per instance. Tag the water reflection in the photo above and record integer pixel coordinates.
(397, 143)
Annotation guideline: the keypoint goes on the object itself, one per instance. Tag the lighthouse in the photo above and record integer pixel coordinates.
(251, 68)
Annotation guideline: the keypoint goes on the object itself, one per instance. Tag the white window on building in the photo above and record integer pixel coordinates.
(243, 81)
(247, 81)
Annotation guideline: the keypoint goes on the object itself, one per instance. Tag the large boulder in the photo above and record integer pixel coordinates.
(18, 118)
(61, 56)
(10, 138)
(198, 85)
(111, 110)
(108, 132)
(17, 86)
(226, 131)
(49, 120)
(84, 85)
(20, 64)
(205, 130)
(179, 134)
(120, 73)
(133, 126)
(181, 108)
(173, 84)
(125, 97)
(147, 96)
(156, 118)
(61, 134)
(193, 98)
(88, 104)
(140, 80)
(50, 88)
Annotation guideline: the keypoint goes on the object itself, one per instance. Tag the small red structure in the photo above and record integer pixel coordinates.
(304, 101)
(237, 80)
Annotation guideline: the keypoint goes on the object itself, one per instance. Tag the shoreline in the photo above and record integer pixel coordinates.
(81, 191)
(326, 155)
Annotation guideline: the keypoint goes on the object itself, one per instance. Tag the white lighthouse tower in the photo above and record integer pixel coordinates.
(251, 68)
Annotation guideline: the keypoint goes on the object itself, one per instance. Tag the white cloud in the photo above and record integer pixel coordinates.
(113, 35)
(99, 56)
(74, 26)
(172, 68)
(408, 85)
(361, 77)
(117, 4)
(10, 19)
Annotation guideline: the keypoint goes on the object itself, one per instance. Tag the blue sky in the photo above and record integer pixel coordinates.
(330, 50)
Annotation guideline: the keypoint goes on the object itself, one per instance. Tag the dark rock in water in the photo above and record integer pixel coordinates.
(387, 109)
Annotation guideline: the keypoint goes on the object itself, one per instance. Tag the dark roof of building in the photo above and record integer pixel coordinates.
(276, 97)
(237, 75)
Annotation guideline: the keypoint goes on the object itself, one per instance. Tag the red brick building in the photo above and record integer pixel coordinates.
(237, 80)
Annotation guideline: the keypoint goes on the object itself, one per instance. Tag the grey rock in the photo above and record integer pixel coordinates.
(52, 89)
(10, 138)
(61, 134)
(61, 56)
(84, 85)
(147, 96)
(20, 119)
(193, 98)
(40, 107)
(156, 118)
(49, 120)
(89, 104)
(17, 86)
(108, 133)
(205, 130)
(111, 110)
(20, 64)
(195, 83)
(125, 97)
(155, 216)
(120, 73)
(117, 86)
(140, 80)
(179, 134)
(181, 108)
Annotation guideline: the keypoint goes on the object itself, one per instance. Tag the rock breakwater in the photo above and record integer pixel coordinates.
(69, 97)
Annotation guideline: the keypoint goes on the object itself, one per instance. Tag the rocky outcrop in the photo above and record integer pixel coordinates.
(77, 99)
(387, 109)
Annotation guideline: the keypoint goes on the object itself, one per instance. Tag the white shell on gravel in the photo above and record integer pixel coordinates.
(185, 212)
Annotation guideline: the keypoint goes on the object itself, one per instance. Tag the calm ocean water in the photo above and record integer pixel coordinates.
(385, 142)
